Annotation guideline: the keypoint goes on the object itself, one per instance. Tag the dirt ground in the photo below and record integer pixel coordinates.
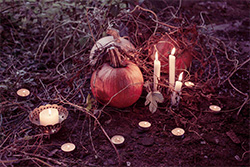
(63, 78)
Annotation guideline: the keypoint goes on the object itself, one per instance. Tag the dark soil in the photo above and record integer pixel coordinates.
(59, 73)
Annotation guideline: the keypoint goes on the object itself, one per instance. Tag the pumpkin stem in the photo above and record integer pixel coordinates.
(116, 61)
(115, 33)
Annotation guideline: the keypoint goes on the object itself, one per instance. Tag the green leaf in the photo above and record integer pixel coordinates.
(89, 101)
(27, 137)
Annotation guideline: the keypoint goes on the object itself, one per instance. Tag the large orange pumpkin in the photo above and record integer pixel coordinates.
(117, 83)
(124, 85)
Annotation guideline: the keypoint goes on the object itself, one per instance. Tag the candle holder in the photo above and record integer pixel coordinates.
(68, 147)
(49, 129)
(118, 140)
(23, 94)
(175, 98)
(214, 109)
(144, 126)
(178, 133)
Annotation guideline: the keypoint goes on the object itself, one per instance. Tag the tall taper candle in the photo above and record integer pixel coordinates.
(157, 71)
(171, 65)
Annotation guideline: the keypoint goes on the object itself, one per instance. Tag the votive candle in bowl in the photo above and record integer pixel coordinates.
(49, 116)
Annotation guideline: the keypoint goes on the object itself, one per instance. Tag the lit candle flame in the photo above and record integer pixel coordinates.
(180, 76)
(156, 55)
(173, 51)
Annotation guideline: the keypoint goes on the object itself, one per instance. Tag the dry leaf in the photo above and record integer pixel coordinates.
(147, 86)
(153, 98)
(158, 96)
(89, 102)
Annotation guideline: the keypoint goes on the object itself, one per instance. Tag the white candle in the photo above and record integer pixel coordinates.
(178, 83)
(189, 84)
(214, 108)
(49, 117)
(117, 139)
(68, 147)
(157, 71)
(171, 65)
(23, 92)
(144, 125)
(178, 131)
(177, 88)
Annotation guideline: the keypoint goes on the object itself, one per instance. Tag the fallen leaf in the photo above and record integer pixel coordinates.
(89, 101)
(147, 86)
(158, 96)
(152, 99)
(153, 107)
